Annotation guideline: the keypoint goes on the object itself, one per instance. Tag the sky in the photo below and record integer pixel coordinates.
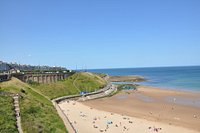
(100, 33)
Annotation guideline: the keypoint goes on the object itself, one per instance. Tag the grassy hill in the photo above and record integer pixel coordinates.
(37, 111)
(7, 118)
(83, 81)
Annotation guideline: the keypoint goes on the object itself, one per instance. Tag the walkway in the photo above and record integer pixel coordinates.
(17, 112)
(99, 95)
(16, 108)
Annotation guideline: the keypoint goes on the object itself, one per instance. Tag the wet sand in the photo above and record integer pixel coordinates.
(173, 108)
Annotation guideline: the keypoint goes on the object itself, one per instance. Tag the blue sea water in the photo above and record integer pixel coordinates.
(181, 78)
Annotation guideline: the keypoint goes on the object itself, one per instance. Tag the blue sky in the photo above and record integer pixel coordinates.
(100, 33)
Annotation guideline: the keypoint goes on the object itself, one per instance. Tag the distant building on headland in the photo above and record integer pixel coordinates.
(16, 68)
(4, 66)
(40, 74)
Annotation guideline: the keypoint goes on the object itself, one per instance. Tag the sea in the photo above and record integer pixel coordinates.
(179, 78)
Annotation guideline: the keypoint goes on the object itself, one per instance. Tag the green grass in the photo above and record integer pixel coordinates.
(102, 75)
(7, 117)
(83, 81)
(37, 112)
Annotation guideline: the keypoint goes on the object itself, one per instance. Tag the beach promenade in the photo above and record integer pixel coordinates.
(107, 90)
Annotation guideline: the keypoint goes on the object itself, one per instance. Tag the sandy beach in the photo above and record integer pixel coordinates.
(171, 107)
(144, 111)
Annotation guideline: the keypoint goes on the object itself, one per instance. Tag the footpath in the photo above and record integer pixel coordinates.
(16, 108)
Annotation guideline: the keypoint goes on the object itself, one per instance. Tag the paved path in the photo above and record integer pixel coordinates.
(99, 95)
(16, 108)
(17, 112)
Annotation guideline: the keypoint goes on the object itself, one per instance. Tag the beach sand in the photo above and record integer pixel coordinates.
(89, 120)
(144, 111)
(169, 109)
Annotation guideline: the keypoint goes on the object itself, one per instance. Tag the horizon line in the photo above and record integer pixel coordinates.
(141, 67)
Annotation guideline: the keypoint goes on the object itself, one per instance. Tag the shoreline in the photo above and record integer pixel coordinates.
(185, 95)
(158, 110)
(158, 87)
(172, 88)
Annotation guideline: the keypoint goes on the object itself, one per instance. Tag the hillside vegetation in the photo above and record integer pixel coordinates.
(83, 81)
(7, 118)
(37, 112)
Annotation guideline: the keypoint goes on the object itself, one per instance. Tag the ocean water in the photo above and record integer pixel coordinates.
(181, 78)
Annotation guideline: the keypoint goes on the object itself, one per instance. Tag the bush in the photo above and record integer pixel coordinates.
(32, 82)
(33, 110)
(23, 91)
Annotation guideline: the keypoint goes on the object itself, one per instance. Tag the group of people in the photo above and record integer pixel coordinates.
(110, 123)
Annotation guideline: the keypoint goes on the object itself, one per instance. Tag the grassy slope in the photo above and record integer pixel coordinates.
(102, 75)
(7, 117)
(37, 112)
(83, 81)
